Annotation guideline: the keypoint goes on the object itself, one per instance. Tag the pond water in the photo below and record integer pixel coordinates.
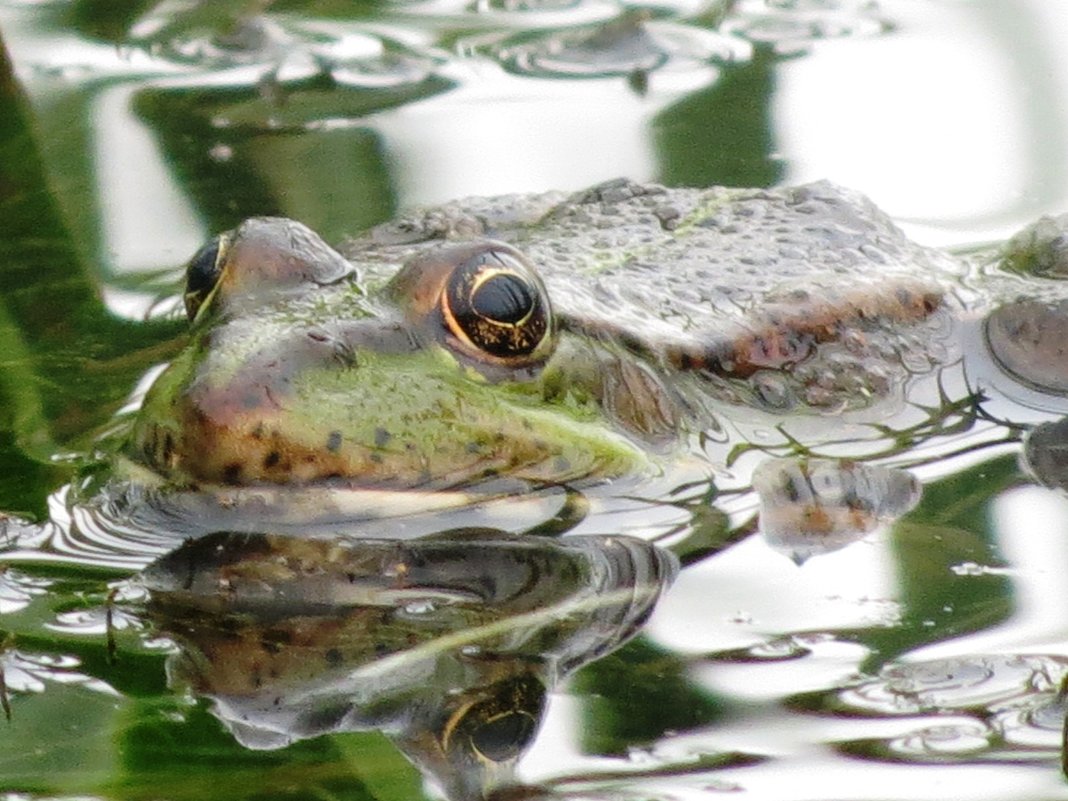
(923, 659)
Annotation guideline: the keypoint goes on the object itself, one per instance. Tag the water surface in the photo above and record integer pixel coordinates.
(923, 661)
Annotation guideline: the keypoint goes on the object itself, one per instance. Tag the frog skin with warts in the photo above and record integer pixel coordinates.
(552, 339)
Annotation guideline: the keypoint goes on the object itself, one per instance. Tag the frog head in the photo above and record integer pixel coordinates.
(452, 373)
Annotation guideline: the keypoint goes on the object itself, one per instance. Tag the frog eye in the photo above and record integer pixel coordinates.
(498, 727)
(202, 273)
(494, 304)
(483, 299)
(503, 736)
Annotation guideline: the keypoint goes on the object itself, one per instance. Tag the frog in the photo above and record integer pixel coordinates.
(551, 339)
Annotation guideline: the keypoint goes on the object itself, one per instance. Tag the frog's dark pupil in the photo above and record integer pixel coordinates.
(504, 737)
(201, 274)
(203, 269)
(503, 298)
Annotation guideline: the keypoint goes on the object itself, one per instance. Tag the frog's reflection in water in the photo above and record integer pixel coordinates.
(448, 645)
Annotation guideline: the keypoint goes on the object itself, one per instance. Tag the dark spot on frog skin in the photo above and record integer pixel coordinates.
(333, 656)
(271, 459)
(382, 437)
(232, 473)
(333, 441)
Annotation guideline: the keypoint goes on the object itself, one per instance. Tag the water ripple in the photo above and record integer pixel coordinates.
(631, 43)
(986, 683)
(1007, 708)
(273, 50)
(26, 672)
(17, 589)
(791, 26)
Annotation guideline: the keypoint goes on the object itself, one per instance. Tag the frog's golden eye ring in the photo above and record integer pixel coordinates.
(497, 727)
(495, 304)
(483, 300)
(202, 273)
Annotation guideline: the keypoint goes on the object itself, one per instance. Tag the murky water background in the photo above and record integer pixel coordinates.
(922, 662)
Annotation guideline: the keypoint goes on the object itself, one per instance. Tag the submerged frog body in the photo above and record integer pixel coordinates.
(541, 338)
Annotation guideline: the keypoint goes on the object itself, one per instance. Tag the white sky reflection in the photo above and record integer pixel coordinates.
(133, 177)
(947, 120)
(839, 115)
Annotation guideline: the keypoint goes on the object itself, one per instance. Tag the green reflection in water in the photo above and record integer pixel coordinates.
(634, 696)
(66, 364)
(182, 749)
(722, 134)
(274, 163)
(949, 528)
